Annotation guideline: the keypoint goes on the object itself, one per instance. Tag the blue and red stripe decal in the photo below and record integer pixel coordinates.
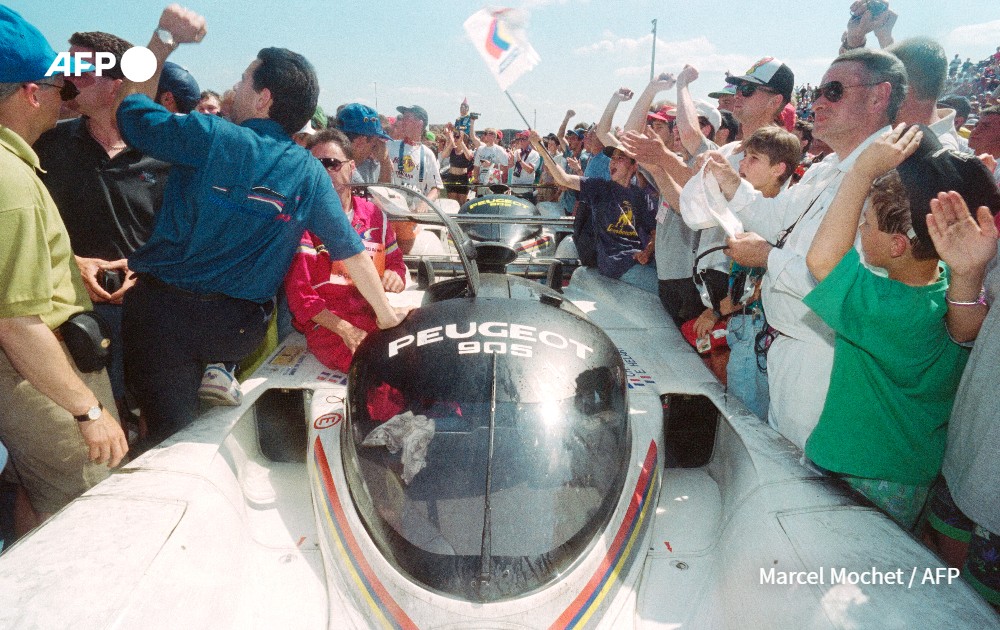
(619, 553)
(385, 611)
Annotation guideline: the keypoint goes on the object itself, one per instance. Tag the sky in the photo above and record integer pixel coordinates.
(387, 53)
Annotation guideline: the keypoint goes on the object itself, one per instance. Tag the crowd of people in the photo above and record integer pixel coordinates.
(830, 251)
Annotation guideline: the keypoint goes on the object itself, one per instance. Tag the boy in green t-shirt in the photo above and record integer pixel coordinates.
(895, 369)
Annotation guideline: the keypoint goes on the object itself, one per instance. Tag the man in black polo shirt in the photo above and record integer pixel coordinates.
(107, 192)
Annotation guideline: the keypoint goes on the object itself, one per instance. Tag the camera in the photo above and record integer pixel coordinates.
(474, 115)
(111, 279)
(877, 7)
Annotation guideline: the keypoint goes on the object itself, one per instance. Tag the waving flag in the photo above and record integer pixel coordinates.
(499, 37)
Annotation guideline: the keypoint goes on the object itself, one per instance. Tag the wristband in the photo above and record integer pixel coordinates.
(980, 301)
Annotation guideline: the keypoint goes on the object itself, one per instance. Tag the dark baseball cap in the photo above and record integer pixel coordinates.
(416, 110)
(933, 169)
(772, 74)
(25, 55)
(362, 120)
(178, 81)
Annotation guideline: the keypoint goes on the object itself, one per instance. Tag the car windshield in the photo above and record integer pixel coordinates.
(502, 205)
(485, 463)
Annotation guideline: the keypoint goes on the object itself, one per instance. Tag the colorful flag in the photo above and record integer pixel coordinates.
(498, 35)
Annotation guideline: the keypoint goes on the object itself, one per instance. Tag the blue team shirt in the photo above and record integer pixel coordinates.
(236, 202)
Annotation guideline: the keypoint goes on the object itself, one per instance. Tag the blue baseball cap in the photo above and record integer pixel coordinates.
(178, 81)
(362, 120)
(25, 55)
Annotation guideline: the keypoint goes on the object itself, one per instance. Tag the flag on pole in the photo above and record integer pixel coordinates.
(498, 35)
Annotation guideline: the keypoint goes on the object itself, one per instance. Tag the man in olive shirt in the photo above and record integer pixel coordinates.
(40, 288)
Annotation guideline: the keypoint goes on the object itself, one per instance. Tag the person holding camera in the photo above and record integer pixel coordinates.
(466, 122)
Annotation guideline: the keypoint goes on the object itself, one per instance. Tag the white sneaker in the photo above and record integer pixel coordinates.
(220, 387)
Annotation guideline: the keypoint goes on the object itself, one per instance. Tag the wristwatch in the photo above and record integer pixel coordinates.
(166, 37)
(92, 414)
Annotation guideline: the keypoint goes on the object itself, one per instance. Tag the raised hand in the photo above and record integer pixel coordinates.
(665, 81)
(647, 148)
(888, 151)
(725, 174)
(185, 25)
(963, 243)
(687, 76)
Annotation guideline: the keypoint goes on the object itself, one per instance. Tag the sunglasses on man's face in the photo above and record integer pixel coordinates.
(834, 90)
(746, 89)
(67, 91)
(333, 164)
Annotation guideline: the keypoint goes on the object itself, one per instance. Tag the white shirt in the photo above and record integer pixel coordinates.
(946, 133)
(534, 160)
(413, 165)
(800, 360)
(788, 279)
(488, 159)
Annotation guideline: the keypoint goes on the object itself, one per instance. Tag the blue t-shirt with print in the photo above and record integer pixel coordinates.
(622, 219)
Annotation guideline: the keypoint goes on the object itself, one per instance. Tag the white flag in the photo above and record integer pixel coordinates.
(499, 37)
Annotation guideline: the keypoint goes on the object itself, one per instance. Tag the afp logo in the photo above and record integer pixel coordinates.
(138, 63)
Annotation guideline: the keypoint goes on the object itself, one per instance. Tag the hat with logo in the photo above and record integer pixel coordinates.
(729, 90)
(770, 73)
(25, 55)
(362, 120)
(179, 82)
(416, 110)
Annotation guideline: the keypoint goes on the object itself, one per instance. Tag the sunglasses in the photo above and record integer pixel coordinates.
(333, 164)
(834, 90)
(746, 89)
(67, 91)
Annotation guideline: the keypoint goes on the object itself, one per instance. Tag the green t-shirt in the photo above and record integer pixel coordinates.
(895, 373)
(38, 275)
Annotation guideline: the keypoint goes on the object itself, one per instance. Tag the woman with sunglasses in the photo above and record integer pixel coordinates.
(326, 306)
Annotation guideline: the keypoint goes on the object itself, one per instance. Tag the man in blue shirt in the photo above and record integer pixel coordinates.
(236, 203)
